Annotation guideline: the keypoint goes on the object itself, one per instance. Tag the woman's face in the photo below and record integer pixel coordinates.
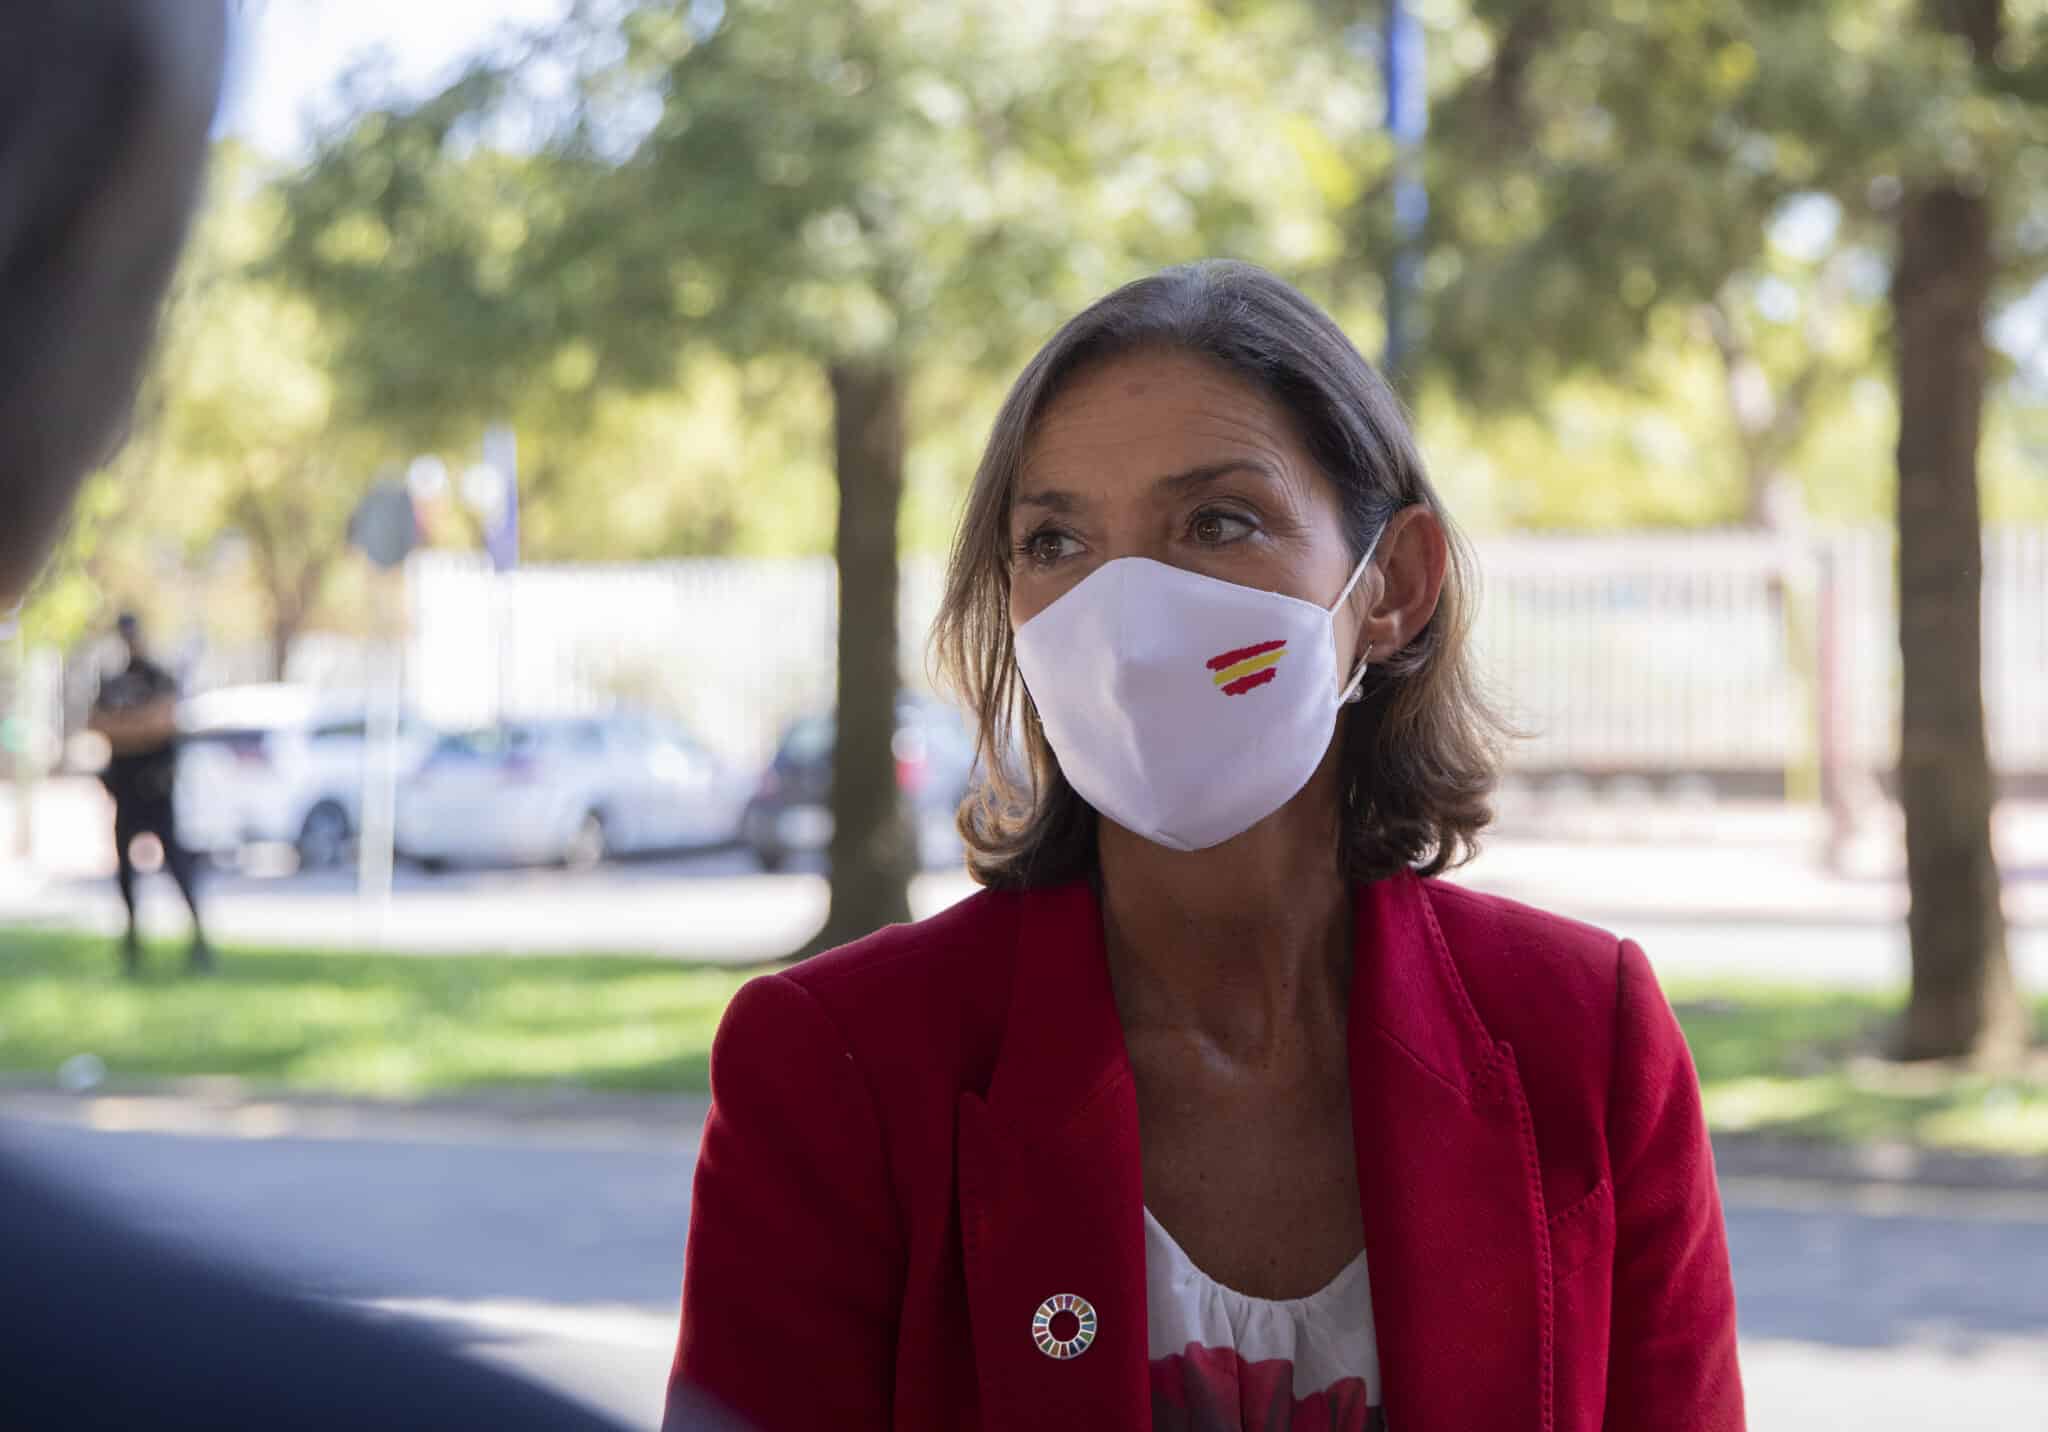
(1166, 456)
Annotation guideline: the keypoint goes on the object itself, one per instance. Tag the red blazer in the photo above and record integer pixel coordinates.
(916, 1139)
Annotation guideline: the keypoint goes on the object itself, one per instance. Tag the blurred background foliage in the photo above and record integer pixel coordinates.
(1654, 287)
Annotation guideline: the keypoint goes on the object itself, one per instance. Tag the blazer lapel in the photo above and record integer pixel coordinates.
(1449, 1185)
(1052, 1187)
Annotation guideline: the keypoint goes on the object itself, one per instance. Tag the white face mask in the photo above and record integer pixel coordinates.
(1184, 708)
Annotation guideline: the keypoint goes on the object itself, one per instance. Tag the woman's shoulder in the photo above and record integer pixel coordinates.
(1494, 938)
(969, 944)
(1569, 997)
(915, 999)
(1536, 978)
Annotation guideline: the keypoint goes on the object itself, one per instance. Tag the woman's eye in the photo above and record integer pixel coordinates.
(1213, 529)
(1045, 547)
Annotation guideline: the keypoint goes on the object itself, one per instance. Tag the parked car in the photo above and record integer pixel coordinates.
(791, 810)
(571, 791)
(279, 764)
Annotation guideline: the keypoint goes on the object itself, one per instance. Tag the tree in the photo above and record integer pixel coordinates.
(1603, 171)
(734, 458)
(252, 426)
(1612, 180)
(1780, 356)
(1963, 996)
(873, 189)
(253, 443)
(233, 434)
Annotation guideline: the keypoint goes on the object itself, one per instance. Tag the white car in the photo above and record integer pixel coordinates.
(279, 764)
(570, 791)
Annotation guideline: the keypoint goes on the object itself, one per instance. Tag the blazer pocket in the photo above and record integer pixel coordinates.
(1581, 1232)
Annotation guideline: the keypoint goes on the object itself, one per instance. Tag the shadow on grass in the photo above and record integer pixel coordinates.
(1740, 1030)
(1810, 1063)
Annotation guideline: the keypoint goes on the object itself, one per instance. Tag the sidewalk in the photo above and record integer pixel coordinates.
(1614, 882)
(226, 1108)
(1743, 864)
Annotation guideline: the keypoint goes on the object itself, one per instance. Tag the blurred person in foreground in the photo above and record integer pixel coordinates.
(1216, 1109)
(105, 109)
(137, 712)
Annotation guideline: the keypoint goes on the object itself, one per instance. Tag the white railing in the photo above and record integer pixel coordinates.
(1639, 653)
(1659, 652)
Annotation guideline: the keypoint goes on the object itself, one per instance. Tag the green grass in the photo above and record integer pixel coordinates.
(1804, 1062)
(1795, 1060)
(388, 1025)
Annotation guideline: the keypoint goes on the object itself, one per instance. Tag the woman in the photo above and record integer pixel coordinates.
(1215, 1110)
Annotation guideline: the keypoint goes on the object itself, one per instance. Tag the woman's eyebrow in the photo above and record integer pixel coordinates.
(1055, 499)
(1208, 472)
(1052, 499)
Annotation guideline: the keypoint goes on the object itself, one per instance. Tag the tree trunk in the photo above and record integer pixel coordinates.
(284, 631)
(1963, 1001)
(874, 850)
(1774, 502)
(1766, 424)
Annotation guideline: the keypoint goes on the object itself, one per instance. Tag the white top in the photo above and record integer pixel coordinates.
(1226, 1362)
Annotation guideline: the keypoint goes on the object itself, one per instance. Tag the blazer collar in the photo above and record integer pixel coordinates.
(1052, 1190)
(1052, 1187)
(1406, 988)
(1450, 1189)
(1063, 1045)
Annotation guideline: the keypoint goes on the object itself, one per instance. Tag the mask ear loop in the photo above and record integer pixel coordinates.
(1351, 688)
(1355, 691)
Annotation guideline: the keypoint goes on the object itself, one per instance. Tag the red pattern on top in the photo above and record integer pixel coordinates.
(1213, 1389)
(1243, 653)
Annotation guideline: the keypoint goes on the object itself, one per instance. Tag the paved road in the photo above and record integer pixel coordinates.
(561, 1257)
(717, 906)
(1731, 889)
(714, 906)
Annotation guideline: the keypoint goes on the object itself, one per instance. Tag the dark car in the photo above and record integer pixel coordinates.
(791, 811)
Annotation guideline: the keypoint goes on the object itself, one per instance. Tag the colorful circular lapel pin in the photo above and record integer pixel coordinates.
(1063, 1326)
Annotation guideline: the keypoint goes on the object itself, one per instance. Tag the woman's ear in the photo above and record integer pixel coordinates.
(1406, 582)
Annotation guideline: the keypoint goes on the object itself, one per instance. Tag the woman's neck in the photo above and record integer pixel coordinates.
(1240, 945)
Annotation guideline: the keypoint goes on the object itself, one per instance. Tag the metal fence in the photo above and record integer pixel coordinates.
(736, 648)
(1638, 653)
(1716, 654)
(1723, 652)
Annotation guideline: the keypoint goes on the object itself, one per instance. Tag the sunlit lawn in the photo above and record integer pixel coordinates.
(1787, 1059)
(389, 1025)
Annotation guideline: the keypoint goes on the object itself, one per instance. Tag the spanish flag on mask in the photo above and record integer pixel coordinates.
(1248, 667)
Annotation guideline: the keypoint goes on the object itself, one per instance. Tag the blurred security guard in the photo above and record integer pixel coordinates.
(137, 712)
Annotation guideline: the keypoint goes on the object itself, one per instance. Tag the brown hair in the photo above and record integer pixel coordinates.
(1421, 748)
